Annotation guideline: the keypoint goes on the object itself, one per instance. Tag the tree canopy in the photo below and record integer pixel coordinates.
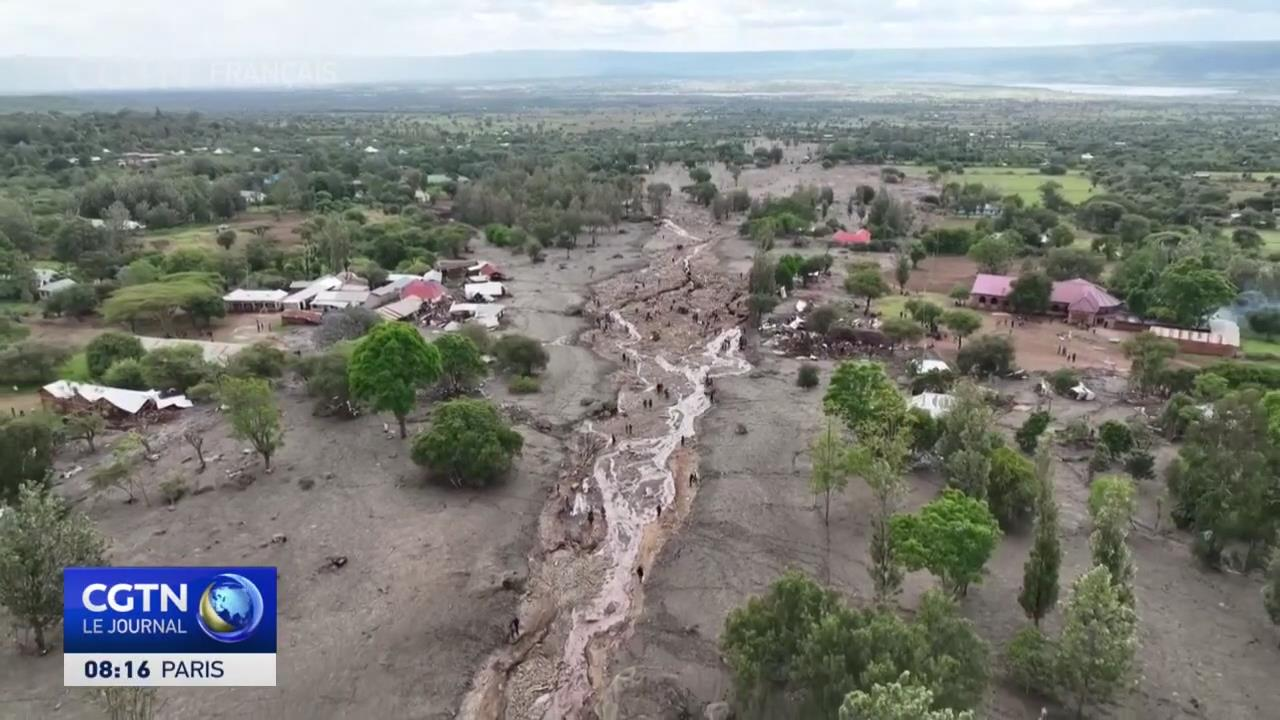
(388, 367)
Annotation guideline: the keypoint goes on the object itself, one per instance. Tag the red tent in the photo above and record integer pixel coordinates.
(845, 238)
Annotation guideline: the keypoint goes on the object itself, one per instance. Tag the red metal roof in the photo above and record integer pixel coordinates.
(1079, 295)
(428, 290)
(844, 237)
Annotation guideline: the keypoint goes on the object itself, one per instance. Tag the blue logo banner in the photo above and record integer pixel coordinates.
(169, 610)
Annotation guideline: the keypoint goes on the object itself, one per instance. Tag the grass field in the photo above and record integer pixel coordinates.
(1024, 181)
(1271, 239)
(890, 305)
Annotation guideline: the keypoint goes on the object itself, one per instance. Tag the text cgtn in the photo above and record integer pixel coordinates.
(121, 597)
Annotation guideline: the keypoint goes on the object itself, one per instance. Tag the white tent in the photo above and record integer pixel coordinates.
(936, 404)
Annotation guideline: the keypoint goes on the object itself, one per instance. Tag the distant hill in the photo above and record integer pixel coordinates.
(1243, 63)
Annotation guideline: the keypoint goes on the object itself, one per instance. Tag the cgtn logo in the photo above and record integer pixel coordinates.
(169, 626)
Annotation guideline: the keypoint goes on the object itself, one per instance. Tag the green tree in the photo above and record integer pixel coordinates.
(1028, 435)
(1070, 263)
(1029, 294)
(261, 359)
(658, 195)
(1265, 322)
(520, 354)
(807, 377)
(924, 312)
(902, 272)
(762, 638)
(987, 355)
(901, 700)
(962, 323)
(76, 301)
(1148, 355)
(226, 239)
(468, 443)
(1189, 291)
(106, 349)
(1039, 592)
(1098, 642)
(84, 426)
(251, 410)
(175, 367)
(39, 537)
(1011, 487)
(993, 253)
(861, 394)
(461, 364)
(902, 330)
(830, 471)
(27, 444)
(866, 283)
(952, 537)
(880, 459)
(1111, 506)
(389, 366)
(127, 374)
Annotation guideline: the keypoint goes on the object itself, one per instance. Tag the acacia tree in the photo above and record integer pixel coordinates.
(39, 537)
(389, 365)
(109, 348)
(658, 194)
(962, 323)
(952, 537)
(1099, 638)
(461, 365)
(251, 409)
(1040, 573)
(85, 426)
(866, 283)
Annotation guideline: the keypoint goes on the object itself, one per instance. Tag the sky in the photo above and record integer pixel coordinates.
(248, 29)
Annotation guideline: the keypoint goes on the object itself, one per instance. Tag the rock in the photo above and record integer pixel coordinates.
(328, 476)
(584, 402)
(740, 429)
(279, 538)
(636, 693)
(717, 711)
(333, 562)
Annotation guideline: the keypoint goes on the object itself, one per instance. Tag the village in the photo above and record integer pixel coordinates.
(539, 440)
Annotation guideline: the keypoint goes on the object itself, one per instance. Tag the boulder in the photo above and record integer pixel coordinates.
(639, 694)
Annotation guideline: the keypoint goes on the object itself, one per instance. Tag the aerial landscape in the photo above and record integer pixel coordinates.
(897, 382)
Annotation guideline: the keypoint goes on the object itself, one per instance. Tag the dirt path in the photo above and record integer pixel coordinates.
(674, 326)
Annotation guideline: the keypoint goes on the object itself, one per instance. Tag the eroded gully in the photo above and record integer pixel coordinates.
(625, 484)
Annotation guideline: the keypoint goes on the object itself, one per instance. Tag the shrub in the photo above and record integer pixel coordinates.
(478, 335)
(520, 354)
(347, 324)
(807, 377)
(1076, 432)
(173, 489)
(1062, 380)
(258, 360)
(1028, 436)
(1029, 662)
(938, 381)
(986, 355)
(31, 363)
(1141, 465)
(177, 367)
(925, 430)
(110, 347)
(202, 392)
(524, 385)
(1116, 437)
(127, 374)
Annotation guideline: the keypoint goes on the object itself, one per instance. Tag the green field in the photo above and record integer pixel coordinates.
(1271, 239)
(890, 305)
(1024, 181)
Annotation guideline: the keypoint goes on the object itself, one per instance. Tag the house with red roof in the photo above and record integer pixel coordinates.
(428, 291)
(844, 238)
(1077, 299)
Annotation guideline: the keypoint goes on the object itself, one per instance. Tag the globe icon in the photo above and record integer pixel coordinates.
(230, 608)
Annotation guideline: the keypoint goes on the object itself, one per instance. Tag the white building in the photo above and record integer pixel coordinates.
(302, 298)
